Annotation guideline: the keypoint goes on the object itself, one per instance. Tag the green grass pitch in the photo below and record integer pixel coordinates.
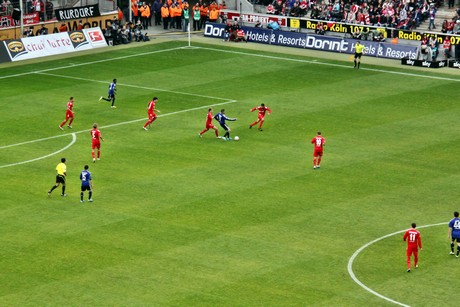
(183, 221)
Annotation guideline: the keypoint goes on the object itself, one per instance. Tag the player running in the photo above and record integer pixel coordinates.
(69, 114)
(222, 118)
(111, 93)
(261, 117)
(209, 124)
(151, 112)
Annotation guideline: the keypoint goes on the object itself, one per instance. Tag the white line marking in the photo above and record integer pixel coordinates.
(134, 86)
(74, 139)
(316, 62)
(353, 257)
(118, 124)
(90, 63)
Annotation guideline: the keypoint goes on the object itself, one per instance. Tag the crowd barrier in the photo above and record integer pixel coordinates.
(51, 44)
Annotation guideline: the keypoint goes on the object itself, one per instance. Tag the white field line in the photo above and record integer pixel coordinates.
(130, 85)
(118, 124)
(90, 63)
(316, 62)
(353, 257)
(74, 139)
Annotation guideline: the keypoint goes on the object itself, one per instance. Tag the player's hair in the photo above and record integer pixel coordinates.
(319, 132)
(63, 160)
(115, 80)
(222, 110)
(86, 166)
(414, 225)
(155, 98)
(94, 125)
(71, 98)
(262, 104)
(210, 109)
(456, 213)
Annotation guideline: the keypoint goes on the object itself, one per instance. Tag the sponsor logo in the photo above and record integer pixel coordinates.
(77, 37)
(95, 36)
(410, 62)
(16, 46)
(426, 64)
(456, 64)
(211, 30)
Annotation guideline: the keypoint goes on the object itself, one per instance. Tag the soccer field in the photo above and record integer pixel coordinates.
(179, 220)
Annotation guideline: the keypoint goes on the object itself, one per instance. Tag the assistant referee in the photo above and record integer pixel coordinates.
(359, 50)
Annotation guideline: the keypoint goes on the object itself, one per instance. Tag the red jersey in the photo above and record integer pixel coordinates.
(319, 142)
(70, 105)
(262, 110)
(95, 135)
(412, 236)
(209, 119)
(151, 107)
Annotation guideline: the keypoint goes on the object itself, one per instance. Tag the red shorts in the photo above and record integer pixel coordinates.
(210, 126)
(261, 117)
(318, 152)
(152, 116)
(96, 145)
(411, 250)
(68, 114)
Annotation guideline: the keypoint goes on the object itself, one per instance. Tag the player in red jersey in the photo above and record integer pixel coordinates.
(261, 117)
(319, 143)
(96, 138)
(151, 112)
(209, 124)
(69, 114)
(414, 242)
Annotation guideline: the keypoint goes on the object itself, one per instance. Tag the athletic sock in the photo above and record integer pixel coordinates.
(452, 247)
(81, 196)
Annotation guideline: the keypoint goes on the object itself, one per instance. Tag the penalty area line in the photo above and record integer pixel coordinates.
(74, 139)
(353, 257)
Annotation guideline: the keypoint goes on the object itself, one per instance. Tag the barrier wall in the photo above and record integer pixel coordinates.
(317, 42)
(51, 44)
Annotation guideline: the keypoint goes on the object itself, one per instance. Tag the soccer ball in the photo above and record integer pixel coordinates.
(236, 138)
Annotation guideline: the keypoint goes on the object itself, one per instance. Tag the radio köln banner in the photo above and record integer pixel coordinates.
(52, 44)
(78, 12)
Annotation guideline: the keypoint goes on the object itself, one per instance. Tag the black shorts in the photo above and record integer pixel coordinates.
(358, 55)
(225, 127)
(455, 239)
(85, 188)
(60, 179)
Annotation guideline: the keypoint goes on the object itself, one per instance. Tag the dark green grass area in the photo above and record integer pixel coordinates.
(186, 221)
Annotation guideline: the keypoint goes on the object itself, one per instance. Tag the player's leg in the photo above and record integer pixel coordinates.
(82, 192)
(99, 152)
(90, 194)
(416, 258)
(216, 131)
(70, 122)
(253, 124)
(54, 186)
(203, 131)
(452, 245)
(63, 186)
(355, 61)
(113, 100)
(320, 155)
(261, 122)
(458, 247)
(315, 155)
(408, 254)
(65, 121)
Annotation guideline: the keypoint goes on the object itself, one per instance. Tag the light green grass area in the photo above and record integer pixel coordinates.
(179, 220)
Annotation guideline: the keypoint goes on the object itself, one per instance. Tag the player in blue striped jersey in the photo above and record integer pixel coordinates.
(111, 93)
(86, 184)
(221, 118)
(454, 233)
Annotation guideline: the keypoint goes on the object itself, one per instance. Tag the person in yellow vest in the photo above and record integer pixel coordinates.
(359, 51)
(165, 16)
(61, 173)
(145, 15)
(213, 14)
